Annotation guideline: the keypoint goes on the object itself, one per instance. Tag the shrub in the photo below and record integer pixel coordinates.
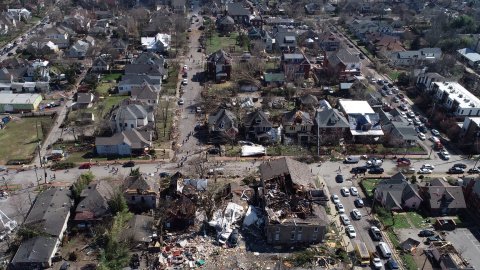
(62, 165)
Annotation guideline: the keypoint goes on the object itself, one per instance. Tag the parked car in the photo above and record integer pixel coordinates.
(359, 170)
(426, 233)
(345, 192)
(345, 219)
(65, 266)
(423, 129)
(356, 214)
(353, 191)
(340, 208)
(403, 161)
(374, 162)
(474, 170)
(377, 263)
(410, 114)
(129, 164)
(435, 132)
(444, 154)
(351, 231)
(213, 151)
(181, 101)
(85, 166)
(456, 170)
(376, 170)
(352, 159)
(358, 202)
(335, 199)
(339, 178)
(391, 264)
(433, 239)
(422, 136)
(185, 82)
(424, 171)
(428, 166)
(460, 165)
(434, 139)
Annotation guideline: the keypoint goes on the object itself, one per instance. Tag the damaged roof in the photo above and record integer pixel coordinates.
(299, 172)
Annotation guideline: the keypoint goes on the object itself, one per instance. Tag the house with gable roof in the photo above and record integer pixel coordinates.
(331, 125)
(79, 49)
(145, 93)
(142, 192)
(124, 143)
(295, 65)
(298, 124)
(441, 199)
(471, 193)
(342, 64)
(132, 116)
(397, 193)
(257, 126)
(159, 43)
(99, 65)
(219, 66)
(328, 41)
(93, 205)
(420, 57)
(240, 12)
(222, 123)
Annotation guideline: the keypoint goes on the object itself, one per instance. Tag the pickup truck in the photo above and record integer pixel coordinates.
(374, 162)
(376, 234)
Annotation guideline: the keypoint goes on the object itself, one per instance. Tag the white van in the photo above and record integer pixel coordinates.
(385, 249)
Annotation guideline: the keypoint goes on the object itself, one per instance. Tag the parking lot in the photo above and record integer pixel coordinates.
(467, 243)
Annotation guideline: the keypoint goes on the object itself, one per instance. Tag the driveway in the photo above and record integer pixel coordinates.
(467, 243)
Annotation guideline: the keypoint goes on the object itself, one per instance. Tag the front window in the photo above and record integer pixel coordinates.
(292, 128)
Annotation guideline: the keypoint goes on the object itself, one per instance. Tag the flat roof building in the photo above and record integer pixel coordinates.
(456, 98)
(14, 103)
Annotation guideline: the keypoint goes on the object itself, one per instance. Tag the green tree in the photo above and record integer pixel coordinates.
(117, 203)
(82, 182)
(135, 172)
(243, 40)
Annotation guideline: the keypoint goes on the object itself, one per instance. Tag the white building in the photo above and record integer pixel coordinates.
(363, 121)
(456, 98)
(158, 43)
(411, 58)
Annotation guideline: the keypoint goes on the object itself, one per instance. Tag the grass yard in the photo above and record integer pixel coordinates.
(393, 75)
(235, 151)
(284, 150)
(409, 262)
(103, 88)
(216, 43)
(369, 185)
(418, 220)
(111, 76)
(393, 238)
(113, 100)
(19, 139)
(401, 222)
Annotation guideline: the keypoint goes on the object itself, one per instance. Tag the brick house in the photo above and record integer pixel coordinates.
(295, 65)
(330, 125)
(219, 66)
(471, 193)
(342, 64)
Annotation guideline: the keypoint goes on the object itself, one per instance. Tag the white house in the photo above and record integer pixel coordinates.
(19, 13)
(145, 93)
(411, 58)
(456, 98)
(132, 116)
(130, 81)
(158, 43)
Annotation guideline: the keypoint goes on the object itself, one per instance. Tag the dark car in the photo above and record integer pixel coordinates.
(65, 266)
(233, 239)
(197, 128)
(433, 239)
(391, 264)
(199, 50)
(185, 75)
(213, 151)
(474, 170)
(85, 166)
(456, 170)
(376, 170)
(417, 130)
(426, 233)
(359, 170)
(403, 160)
(359, 202)
(460, 165)
(129, 164)
(339, 178)
(423, 129)
(164, 174)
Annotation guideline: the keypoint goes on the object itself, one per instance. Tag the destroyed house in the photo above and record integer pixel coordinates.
(142, 192)
(290, 214)
(180, 202)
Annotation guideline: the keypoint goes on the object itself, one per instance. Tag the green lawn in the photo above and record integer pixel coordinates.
(369, 185)
(401, 222)
(104, 87)
(216, 43)
(409, 262)
(393, 238)
(418, 219)
(283, 150)
(393, 75)
(111, 76)
(19, 138)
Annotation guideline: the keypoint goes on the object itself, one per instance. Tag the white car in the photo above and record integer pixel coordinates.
(434, 139)
(377, 263)
(345, 219)
(445, 155)
(411, 114)
(340, 208)
(422, 136)
(410, 122)
(424, 171)
(345, 192)
(181, 101)
(435, 132)
(335, 199)
(185, 67)
(356, 214)
(428, 166)
(351, 231)
(353, 191)
(416, 121)
(403, 114)
(185, 82)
